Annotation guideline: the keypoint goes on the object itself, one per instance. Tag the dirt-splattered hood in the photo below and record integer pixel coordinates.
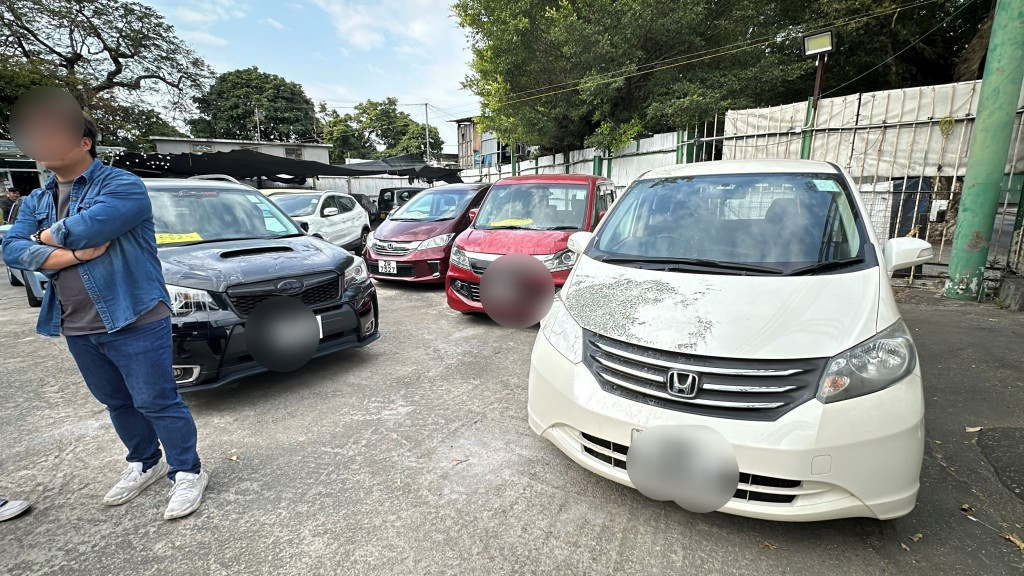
(724, 315)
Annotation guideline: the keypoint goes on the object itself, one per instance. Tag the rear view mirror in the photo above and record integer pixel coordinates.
(328, 212)
(472, 214)
(578, 241)
(906, 253)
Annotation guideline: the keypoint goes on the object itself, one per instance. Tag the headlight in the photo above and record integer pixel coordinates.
(357, 272)
(870, 366)
(436, 241)
(185, 301)
(564, 334)
(563, 260)
(459, 258)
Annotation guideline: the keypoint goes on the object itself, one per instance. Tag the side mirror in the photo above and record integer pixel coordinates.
(902, 253)
(328, 212)
(600, 215)
(304, 226)
(578, 241)
(472, 213)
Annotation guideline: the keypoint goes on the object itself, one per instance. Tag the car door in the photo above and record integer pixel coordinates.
(332, 224)
(351, 221)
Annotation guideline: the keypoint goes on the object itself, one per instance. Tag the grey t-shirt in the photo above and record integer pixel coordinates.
(79, 315)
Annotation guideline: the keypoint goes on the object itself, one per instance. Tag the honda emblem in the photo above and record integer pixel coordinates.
(682, 384)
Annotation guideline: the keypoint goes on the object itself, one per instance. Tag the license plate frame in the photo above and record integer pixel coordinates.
(387, 266)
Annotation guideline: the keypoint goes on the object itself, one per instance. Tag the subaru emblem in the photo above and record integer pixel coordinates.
(682, 384)
(288, 287)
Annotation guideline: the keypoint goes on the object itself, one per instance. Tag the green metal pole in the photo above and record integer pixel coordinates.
(986, 159)
(808, 131)
(609, 165)
(691, 146)
(680, 138)
(515, 161)
(598, 164)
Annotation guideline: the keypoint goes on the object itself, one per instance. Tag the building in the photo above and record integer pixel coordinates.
(479, 149)
(293, 150)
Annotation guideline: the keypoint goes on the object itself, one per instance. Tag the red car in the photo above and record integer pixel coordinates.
(525, 215)
(414, 243)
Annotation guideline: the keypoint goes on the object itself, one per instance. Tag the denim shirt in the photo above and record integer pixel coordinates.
(107, 205)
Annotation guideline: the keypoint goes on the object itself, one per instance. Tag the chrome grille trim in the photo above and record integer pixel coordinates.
(745, 389)
(694, 368)
(697, 401)
(399, 248)
(630, 371)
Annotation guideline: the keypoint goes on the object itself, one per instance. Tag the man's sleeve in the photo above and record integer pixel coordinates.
(122, 204)
(19, 251)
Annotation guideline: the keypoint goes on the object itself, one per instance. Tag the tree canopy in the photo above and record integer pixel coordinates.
(378, 129)
(563, 73)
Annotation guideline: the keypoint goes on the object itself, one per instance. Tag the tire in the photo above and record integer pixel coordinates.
(362, 240)
(13, 280)
(32, 300)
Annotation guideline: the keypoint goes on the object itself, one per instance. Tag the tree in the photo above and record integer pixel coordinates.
(378, 129)
(563, 73)
(237, 99)
(104, 46)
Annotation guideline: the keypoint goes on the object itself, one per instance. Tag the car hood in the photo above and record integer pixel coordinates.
(514, 241)
(728, 316)
(398, 231)
(216, 265)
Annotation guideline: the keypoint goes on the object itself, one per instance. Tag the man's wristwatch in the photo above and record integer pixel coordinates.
(38, 236)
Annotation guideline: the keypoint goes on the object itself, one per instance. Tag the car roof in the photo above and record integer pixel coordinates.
(400, 188)
(177, 183)
(719, 167)
(552, 179)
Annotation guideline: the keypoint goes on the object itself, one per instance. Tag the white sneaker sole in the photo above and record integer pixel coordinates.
(13, 509)
(160, 472)
(205, 479)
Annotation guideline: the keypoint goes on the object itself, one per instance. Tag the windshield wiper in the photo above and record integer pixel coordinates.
(567, 227)
(828, 265)
(670, 264)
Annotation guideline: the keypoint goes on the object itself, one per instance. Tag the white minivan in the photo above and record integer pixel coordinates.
(736, 319)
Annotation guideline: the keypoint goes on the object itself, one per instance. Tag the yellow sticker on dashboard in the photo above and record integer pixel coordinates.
(175, 238)
(512, 222)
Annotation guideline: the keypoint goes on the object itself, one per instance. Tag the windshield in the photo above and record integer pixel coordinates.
(190, 216)
(439, 204)
(534, 207)
(296, 204)
(773, 223)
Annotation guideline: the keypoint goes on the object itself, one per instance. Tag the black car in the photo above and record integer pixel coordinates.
(367, 204)
(229, 256)
(390, 198)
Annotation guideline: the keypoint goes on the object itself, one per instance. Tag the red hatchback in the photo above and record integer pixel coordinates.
(525, 215)
(414, 243)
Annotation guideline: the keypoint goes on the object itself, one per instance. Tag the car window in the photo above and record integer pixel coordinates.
(194, 215)
(435, 205)
(386, 196)
(296, 205)
(534, 207)
(345, 204)
(781, 220)
(330, 201)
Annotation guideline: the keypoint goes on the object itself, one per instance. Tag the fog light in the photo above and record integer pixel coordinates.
(185, 374)
(368, 327)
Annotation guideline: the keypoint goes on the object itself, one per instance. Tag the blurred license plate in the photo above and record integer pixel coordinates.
(388, 267)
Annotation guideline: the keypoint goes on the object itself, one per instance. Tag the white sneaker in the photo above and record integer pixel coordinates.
(12, 508)
(186, 494)
(133, 481)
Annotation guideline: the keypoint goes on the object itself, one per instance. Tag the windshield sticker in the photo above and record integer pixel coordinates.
(512, 222)
(826, 185)
(175, 238)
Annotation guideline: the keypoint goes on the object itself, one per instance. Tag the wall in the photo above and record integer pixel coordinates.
(315, 153)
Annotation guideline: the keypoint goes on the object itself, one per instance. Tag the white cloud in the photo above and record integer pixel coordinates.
(202, 37)
(368, 24)
(274, 24)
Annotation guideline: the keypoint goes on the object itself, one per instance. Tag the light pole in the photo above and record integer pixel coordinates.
(817, 44)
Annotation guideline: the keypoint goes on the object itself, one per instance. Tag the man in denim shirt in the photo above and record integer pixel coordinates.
(90, 229)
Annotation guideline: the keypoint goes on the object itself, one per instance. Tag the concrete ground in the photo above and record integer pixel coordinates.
(413, 456)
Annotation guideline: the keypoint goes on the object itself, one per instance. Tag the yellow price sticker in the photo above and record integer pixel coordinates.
(175, 238)
(512, 222)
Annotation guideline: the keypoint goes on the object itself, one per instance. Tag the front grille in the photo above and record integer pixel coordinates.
(403, 270)
(317, 290)
(761, 390)
(478, 265)
(385, 248)
(470, 290)
(614, 454)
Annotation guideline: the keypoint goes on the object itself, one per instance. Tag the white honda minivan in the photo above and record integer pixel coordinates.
(748, 301)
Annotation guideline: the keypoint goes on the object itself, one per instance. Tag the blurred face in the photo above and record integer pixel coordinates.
(47, 125)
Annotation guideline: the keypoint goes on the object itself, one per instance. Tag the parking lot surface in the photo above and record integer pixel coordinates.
(413, 456)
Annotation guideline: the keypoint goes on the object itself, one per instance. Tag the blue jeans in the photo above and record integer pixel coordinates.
(130, 372)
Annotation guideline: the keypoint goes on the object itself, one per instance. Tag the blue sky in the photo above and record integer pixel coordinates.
(341, 51)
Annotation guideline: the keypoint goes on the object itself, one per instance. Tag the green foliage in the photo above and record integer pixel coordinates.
(378, 129)
(561, 73)
(236, 99)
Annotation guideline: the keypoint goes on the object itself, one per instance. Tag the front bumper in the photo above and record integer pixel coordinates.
(462, 288)
(210, 349)
(858, 457)
(420, 266)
